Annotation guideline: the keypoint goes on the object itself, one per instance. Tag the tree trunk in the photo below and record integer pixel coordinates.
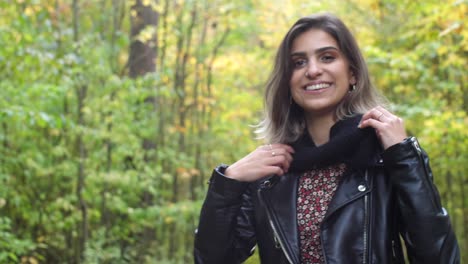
(81, 181)
(198, 115)
(142, 49)
(81, 91)
(142, 60)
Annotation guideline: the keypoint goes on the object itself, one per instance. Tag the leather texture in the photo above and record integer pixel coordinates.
(372, 208)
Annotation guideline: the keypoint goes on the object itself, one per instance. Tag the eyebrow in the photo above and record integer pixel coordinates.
(317, 51)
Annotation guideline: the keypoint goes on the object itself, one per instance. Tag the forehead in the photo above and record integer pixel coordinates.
(313, 40)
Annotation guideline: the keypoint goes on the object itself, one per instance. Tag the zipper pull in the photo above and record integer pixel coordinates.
(266, 184)
(277, 243)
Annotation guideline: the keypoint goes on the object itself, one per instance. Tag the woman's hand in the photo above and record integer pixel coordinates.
(265, 160)
(389, 127)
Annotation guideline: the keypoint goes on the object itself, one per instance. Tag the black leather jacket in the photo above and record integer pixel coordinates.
(369, 211)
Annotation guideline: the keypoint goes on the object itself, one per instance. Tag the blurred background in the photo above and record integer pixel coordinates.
(113, 113)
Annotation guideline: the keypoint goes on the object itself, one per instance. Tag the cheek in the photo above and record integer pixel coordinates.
(295, 91)
(295, 79)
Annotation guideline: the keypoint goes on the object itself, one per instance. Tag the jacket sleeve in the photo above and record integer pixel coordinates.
(226, 231)
(424, 224)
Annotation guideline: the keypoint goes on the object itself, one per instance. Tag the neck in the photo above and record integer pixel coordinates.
(319, 128)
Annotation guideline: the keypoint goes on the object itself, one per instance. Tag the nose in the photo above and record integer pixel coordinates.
(313, 70)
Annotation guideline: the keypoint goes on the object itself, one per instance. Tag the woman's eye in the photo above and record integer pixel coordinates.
(299, 63)
(327, 58)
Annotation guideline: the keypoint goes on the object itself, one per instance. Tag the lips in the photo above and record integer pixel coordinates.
(317, 86)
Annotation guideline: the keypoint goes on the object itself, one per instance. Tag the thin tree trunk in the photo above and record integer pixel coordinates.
(106, 215)
(81, 91)
(81, 94)
(161, 103)
(5, 132)
(198, 114)
(183, 53)
(179, 86)
(209, 81)
(67, 233)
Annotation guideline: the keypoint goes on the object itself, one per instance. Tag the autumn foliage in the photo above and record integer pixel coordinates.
(102, 164)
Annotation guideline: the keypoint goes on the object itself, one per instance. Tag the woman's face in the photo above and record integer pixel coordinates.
(321, 74)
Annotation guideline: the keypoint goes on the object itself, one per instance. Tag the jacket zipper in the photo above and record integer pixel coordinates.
(323, 249)
(366, 223)
(272, 224)
(428, 181)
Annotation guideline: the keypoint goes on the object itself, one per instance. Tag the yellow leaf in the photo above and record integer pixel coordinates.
(193, 61)
(168, 220)
(28, 11)
(442, 50)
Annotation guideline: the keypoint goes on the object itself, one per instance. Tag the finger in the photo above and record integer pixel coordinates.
(375, 114)
(279, 151)
(383, 110)
(386, 115)
(267, 147)
(389, 117)
(370, 114)
(272, 155)
(281, 146)
(273, 170)
(371, 123)
(282, 161)
(274, 148)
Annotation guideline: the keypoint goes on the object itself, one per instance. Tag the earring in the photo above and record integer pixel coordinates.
(352, 88)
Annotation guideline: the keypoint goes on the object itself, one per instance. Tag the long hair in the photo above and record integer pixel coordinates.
(284, 120)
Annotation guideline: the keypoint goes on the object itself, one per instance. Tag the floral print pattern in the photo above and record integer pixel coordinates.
(315, 191)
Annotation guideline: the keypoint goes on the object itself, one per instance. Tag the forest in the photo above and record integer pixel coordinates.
(113, 113)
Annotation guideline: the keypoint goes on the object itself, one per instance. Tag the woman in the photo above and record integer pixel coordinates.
(339, 183)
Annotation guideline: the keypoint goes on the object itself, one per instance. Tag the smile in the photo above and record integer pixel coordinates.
(317, 86)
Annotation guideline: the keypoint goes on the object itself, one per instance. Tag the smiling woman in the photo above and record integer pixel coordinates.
(339, 181)
(321, 77)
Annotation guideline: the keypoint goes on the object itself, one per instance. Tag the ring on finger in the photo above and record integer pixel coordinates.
(273, 153)
(381, 114)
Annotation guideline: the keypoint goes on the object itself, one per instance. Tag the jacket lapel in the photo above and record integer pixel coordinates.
(353, 186)
(281, 199)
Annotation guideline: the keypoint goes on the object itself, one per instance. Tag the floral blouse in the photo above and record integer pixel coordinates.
(315, 191)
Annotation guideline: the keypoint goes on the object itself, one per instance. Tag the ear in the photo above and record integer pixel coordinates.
(352, 79)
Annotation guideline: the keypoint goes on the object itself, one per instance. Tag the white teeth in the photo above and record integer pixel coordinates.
(317, 86)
